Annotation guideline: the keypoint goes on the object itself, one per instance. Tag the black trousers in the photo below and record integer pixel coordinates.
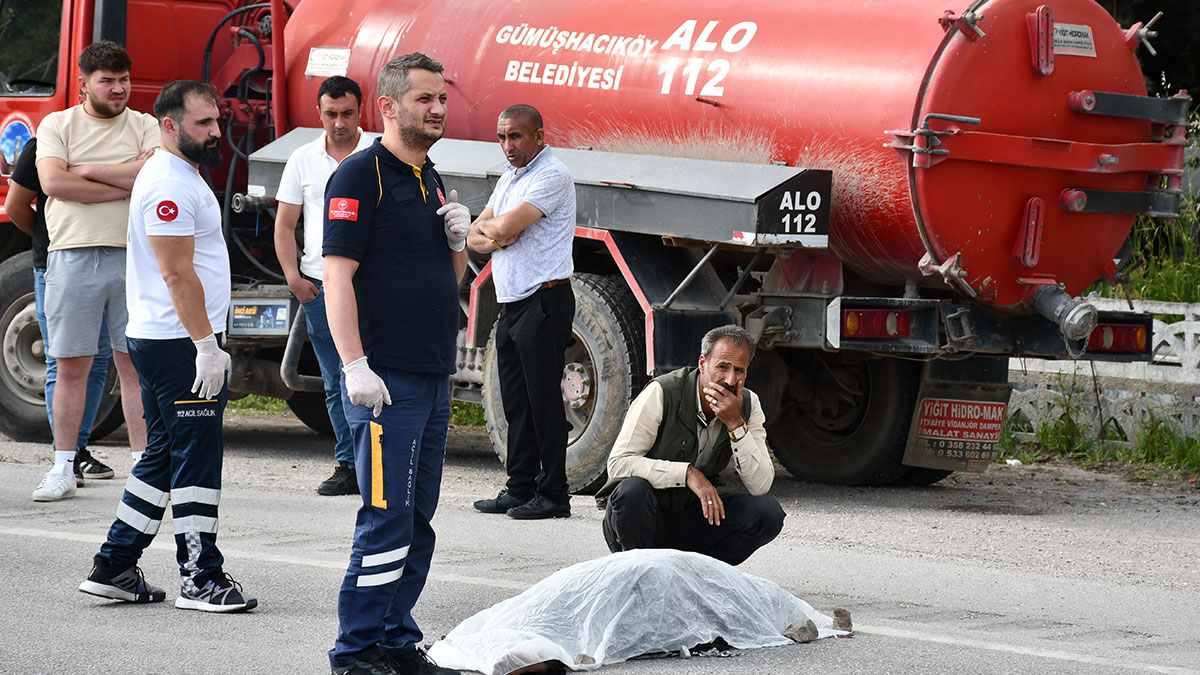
(633, 519)
(531, 338)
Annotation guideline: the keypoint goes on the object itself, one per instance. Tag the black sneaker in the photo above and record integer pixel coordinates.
(417, 662)
(220, 594)
(367, 662)
(344, 481)
(90, 467)
(539, 508)
(78, 474)
(128, 586)
(501, 504)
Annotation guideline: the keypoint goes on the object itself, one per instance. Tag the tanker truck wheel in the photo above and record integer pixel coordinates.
(23, 364)
(22, 359)
(605, 368)
(309, 407)
(850, 423)
(110, 415)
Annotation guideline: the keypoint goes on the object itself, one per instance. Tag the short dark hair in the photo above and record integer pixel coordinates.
(393, 77)
(172, 100)
(337, 87)
(523, 112)
(736, 334)
(104, 55)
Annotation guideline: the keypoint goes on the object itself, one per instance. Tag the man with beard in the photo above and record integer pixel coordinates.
(302, 188)
(394, 254)
(178, 294)
(87, 159)
(679, 434)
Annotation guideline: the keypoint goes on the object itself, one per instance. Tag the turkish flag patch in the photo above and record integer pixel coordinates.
(166, 210)
(343, 208)
(441, 197)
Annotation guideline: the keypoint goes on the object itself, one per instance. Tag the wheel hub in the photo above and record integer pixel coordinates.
(25, 355)
(576, 385)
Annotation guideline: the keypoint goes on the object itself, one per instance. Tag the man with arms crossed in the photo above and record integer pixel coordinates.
(529, 227)
(24, 192)
(178, 271)
(87, 159)
(679, 435)
(302, 188)
(394, 255)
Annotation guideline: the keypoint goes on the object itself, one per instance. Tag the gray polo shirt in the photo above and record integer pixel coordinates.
(543, 252)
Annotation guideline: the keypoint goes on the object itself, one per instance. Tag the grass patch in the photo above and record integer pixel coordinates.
(1160, 449)
(469, 414)
(1165, 259)
(1012, 447)
(1161, 443)
(256, 402)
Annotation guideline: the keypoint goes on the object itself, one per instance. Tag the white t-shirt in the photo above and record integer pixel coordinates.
(543, 252)
(170, 199)
(303, 182)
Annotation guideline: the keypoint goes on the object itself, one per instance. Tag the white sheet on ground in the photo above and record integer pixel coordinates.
(624, 605)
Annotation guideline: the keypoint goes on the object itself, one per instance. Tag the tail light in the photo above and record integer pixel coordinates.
(875, 324)
(1118, 338)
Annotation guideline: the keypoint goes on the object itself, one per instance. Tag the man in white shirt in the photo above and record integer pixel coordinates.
(528, 228)
(87, 158)
(680, 433)
(178, 295)
(302, 190)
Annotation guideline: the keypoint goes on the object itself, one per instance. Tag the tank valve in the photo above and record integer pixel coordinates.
(1075, 318)
(1141, 34)
(242, 203)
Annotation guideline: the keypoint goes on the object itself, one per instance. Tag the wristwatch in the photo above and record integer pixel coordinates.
(739, 433)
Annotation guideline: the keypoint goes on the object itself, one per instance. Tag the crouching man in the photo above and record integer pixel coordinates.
(680, 433)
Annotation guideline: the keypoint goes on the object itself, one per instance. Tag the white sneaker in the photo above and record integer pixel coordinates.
(55, 486)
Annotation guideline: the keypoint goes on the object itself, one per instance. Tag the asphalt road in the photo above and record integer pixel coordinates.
(1048, 570)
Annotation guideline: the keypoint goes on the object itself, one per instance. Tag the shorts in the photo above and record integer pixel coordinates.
(82, 284)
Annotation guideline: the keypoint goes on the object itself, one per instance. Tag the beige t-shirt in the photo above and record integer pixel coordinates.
(77, 138)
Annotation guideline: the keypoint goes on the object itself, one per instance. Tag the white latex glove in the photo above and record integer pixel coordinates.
(458, 222)
(364, 387)
(212, 364)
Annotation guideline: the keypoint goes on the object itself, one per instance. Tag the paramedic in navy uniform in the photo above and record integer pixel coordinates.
(394, 248)
(177, 290)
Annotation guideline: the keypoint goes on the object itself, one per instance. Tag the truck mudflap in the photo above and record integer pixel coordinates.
(960, 411)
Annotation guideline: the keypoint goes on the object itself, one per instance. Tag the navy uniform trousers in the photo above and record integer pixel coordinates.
(398, 457)
(181, 465)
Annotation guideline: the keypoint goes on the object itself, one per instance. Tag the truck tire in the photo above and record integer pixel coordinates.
(23, 364)
(109, 416)
(22, 361)
(605, 368)
(309, 407)
(852, 428)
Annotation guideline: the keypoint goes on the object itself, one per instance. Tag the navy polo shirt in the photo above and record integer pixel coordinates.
(382, 212)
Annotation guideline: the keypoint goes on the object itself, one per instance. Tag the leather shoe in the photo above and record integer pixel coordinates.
(538, 508)
(501, 504)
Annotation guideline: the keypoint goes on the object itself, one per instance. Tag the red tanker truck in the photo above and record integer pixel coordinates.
(893, 198)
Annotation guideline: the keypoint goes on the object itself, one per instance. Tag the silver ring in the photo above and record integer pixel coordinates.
(710, 501)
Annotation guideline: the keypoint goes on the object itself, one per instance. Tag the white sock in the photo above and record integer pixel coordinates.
(66, 459)
(137, 456)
